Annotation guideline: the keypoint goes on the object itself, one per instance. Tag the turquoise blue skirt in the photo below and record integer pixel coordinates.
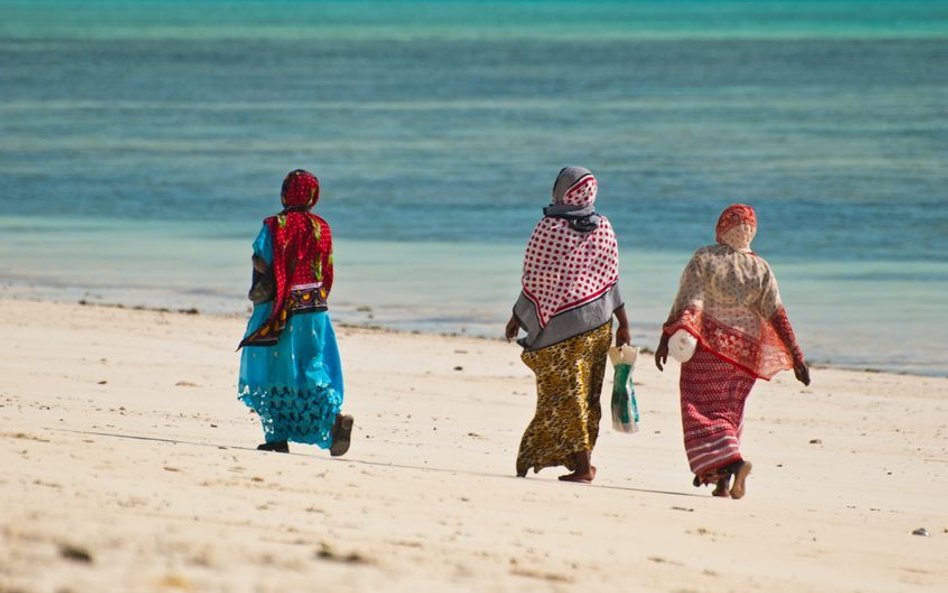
(295, 387)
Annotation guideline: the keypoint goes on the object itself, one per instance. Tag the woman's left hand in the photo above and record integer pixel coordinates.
(623, 335)
(802, 372)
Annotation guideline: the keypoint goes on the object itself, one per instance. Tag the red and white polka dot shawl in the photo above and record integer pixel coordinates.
(565, 268)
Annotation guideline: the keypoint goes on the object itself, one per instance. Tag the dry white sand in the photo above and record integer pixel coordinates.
(127, 464)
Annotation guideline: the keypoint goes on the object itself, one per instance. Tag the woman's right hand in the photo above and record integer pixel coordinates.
(661, 353)
(512, 329)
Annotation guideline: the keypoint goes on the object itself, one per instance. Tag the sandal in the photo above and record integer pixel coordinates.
(276, 446)
(341, 435)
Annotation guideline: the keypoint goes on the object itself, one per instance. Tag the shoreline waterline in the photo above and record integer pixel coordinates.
(351, 320)
(846, 314)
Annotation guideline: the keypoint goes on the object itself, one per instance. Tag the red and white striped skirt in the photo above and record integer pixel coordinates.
(713, 392)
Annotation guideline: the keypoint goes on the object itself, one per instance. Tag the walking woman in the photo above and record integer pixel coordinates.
(290, 372)
(570, 293)
(729, 302)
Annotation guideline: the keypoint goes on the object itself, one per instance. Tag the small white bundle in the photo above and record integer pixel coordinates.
(682, 346)
(624, 354)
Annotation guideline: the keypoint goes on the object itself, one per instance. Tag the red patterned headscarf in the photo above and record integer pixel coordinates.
(302, 256)
(736, 227)
(300, 190)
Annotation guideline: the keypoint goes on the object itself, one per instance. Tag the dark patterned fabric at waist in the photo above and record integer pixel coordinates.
(305, 298)
(300, 299)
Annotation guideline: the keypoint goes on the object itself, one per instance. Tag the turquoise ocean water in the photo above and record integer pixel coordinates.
(142, 142)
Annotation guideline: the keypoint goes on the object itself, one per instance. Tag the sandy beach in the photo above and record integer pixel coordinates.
(129, 465)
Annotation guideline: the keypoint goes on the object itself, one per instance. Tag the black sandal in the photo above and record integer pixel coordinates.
(276, 446)
(341, 435)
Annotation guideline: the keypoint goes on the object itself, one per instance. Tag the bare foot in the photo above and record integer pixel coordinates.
(738, 490)
(582, 478)
(722, 489)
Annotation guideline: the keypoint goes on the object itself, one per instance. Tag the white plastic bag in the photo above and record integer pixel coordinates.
(625, 409)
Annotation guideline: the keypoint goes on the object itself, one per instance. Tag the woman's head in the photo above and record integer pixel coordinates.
(575, 186)
(737, 227)
(300, 190)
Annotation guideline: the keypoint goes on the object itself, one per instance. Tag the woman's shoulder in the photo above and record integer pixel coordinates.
(604, 225)
(318, 218)
(715, 254)
(759, 260)
(323, 225)
(707, 251)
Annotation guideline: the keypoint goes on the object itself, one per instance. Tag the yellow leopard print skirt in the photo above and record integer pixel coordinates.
(569, 382)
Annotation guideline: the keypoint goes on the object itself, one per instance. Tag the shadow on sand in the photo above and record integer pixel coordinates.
(440, 470)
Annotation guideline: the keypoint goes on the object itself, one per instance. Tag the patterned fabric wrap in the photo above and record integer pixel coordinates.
(300, 190)
(563, 267)
(729, 300)
(295, 385)
(736, 227)
(302, 258)
(569, 379)
(713, 394)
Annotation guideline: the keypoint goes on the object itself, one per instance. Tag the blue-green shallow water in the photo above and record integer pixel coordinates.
(142, 142)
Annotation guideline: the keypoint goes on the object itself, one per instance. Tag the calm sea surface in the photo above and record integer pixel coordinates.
(142, 142)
